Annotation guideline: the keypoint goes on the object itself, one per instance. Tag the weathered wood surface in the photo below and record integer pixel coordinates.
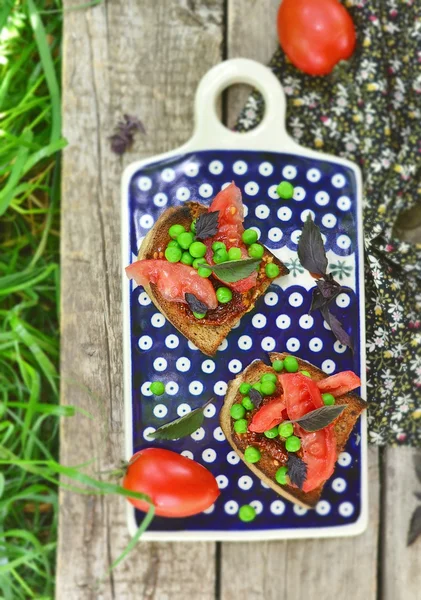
(401, 572)
(146, 57)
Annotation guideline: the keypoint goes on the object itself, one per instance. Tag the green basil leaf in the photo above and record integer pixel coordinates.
(182, 427)
(235, 270)
(320, 418)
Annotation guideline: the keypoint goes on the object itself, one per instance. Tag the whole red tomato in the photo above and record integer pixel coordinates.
(178, 486)
(315, 34)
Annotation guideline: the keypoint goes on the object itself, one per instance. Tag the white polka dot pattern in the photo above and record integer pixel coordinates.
(279, 322)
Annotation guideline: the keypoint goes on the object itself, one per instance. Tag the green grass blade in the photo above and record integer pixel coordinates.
(5, 12)
(7, 193)
(49, 70)
(45, 152)
(17, 282)
(29, 340)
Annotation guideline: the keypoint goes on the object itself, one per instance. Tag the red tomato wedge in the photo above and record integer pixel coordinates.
(178, 486)
(173, 280)
(339, 384)
(230, 230)
(268, 416)
(319, 448)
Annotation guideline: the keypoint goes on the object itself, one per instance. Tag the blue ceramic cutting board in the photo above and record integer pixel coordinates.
(327, 187)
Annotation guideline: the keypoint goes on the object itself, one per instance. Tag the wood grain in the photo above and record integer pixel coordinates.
(251, 33)
(335, 568)
(144, 58)
(401, 565)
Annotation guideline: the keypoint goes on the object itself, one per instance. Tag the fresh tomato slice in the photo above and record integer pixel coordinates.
(319, 453)
(302, 395)
(173, 280)
(230, 230)
(339, 384)
(178, 486)
(268, 416)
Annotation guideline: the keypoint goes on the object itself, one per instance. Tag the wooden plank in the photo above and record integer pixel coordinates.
(329, 568)
(401, 566)
(251, 29)
(143, 58)
(326, 568)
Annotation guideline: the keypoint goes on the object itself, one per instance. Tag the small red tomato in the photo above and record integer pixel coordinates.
(178, 486)
(315, 34)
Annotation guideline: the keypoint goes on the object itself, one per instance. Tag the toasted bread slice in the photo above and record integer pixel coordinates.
(265, 468)
(208, 333)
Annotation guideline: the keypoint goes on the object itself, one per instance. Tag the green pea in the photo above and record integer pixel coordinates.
(197, 249)
(237, 411)
(185, 239)
(291, 364)
(278, 365)
(252, 455)
(157, 388)
(234, 254)
(285, 430)
(187, 258)
(285, 190)
(256, 251)
(305, 373)
(272, 270)
(199, 315)
(240, 426)
(271, 433)
(218, 246)
(175, 231)
(245, 388)
(328, 399)
(224, 295)
(269, 377)
(292, 443)
(281, 475)
(249, 236)
(247, 513)
(220, 256)
(198, 261)
(193, 226)
(173, 255)
(257, 386)
(173, 244)
(204, 272)
(247, 403)
(268, 388)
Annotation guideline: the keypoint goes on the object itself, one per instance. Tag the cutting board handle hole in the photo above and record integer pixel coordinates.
(238, 105)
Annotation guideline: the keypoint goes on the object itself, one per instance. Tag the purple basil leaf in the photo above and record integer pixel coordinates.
(256, 397)
(317, 300)
(132, 124)
(120, 142)
(336, 327)
(414, 526)
(311, 251)
(122, 138)
(297, 470)
(207, 225)
(196, 305)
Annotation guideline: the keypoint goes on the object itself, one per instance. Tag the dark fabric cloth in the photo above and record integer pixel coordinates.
(369, 110)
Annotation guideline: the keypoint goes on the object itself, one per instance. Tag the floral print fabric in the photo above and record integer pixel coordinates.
(369, 110)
